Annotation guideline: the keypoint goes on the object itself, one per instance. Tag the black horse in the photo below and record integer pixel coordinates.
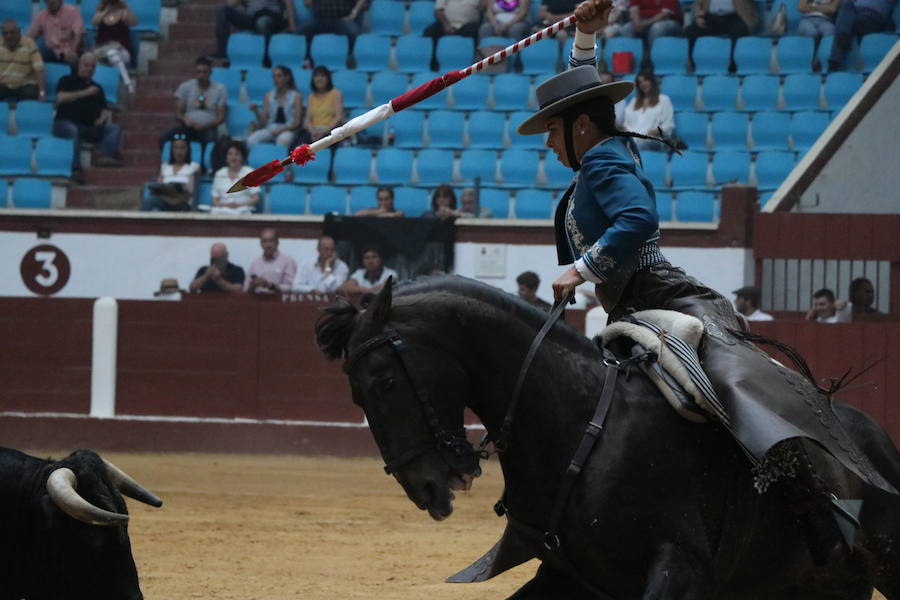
(663, 509)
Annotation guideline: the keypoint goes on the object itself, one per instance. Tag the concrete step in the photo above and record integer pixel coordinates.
(186, 47)
(198, 13)
(157, 103)
(143, 158)
(123, 176)
(182, 66)
(104, 197)
(155, 122)
(202, 29)
(144, 140)
(159, 84)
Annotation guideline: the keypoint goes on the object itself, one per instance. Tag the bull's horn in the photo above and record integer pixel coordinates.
(61, 487)
(128, 486)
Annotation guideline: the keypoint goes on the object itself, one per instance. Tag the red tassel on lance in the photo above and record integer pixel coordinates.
(302, 155)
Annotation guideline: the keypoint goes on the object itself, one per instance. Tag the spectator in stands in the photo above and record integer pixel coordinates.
(174, 189)
(200, 106)
(114, 20)
(734, 18)
(324, 273)
(265, 17)
(21, 66)
(385, 197)
(274, 271)
(62, 28)
(220, 275)
(825, 309)
(469, 207)
(553, 11)
(281, 111)
(453, 17)
(169, 290)
(443, 203)
(650, 19)
(862, 297)
(82, 114)
(528, 283)
(342, 17)
(371, 277)
(237, 203)
(325, 106)
(649, 113)
(506, 18)
(618, 18)
(858, 17)
(746, 303)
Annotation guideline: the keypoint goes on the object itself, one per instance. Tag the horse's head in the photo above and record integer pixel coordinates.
(413, 394)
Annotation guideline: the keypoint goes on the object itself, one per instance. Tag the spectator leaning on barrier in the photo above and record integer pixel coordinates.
(385, 198)
(61, 27)
(528, 283)
(220, 275)
(200, 106)
(825, 309)
(443, 203)
(746, 303)
(274, 271)
(468, 206)
(21, 66)
(324, 273)
(265, 17)
(372, 276)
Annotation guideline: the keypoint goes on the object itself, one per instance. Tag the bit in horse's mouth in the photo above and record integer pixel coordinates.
(460, 481)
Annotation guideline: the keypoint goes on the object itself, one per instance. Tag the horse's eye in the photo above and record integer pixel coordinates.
(385, 383)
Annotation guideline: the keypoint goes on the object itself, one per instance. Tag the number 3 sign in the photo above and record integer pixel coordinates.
(45, 270)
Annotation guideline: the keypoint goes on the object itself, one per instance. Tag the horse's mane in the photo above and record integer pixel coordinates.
(334, 328)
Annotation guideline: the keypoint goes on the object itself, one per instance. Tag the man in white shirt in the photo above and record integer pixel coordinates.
(825, 309)
(372, 276)
(273, 272)
(746, 303)
(325, 273)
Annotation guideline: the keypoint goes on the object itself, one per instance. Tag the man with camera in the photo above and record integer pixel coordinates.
(220, 275)
(200, 106)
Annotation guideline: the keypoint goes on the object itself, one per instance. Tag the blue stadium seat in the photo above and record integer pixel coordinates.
(534, 204)
(437, 101)
(88, 8)
(624, 44)
(53, 72)
(386, 18)
(204, 193)
(4, 193)
(471, 93)
(287, 199)
(387, 85)
(655, 165)
(408, 126)
(873, 48)
(420, 16)
(793, 13)
(261, 154)
(454, 52)
(719, 92)
(802, 92)
(303, 80)
(534, 142)
(231, 79)
(245, 50)
(301, 11)
(316, 170)
(353, 85)
(4, 117)
(539, 59)
(287, 49)
(794, 54)
(772, 168)
(19, 11)
(330, 49)
(495, 199)
(237, 119)
(770, 130)
(729, 131)
(352, 165)
(753, 55)
(696, 207)
(34, 119)
(681, 90)
(664, 202)
(361, 197)
(54, 157)
(414, 53)
(689, 171)
(518, 167)
(693, 129)
(434, 167)
(824, 50)
(148, 13)
(711, 55)
(478, 164)
(669, 55)
(258, 82)
(760, 92)
(729, 166)
(558, 176)
(511, 91)
(326, 199)
(15, 155)
(486, 129)
(806, 127)
(413, 202)
(839, 88)
(196, 152)
(373, 51)
(393, 166)
(32, 193)
(446, 128)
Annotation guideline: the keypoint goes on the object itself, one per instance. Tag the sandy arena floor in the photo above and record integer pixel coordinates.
(239, 527)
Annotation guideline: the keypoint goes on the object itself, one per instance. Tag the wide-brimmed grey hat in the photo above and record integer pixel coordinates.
(568, 89)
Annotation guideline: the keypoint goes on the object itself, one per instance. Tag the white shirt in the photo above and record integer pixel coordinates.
(360, 276)
(759, 315)
(310, 278)
(647, 119)
(182, 175)
(244, 198)
(844, 315)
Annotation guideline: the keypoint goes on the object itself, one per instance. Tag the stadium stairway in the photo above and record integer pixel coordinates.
(149, 112)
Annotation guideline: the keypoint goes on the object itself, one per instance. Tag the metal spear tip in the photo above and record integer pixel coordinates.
(237, 187)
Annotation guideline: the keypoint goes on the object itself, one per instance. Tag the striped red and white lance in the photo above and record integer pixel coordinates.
(305, 153)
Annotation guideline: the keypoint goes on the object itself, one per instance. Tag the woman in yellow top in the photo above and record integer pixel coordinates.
(325, 107)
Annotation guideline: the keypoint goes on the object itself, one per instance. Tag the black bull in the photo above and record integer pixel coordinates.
(61, 544)
(664, 509)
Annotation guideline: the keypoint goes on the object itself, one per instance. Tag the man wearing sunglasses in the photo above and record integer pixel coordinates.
(200, 106)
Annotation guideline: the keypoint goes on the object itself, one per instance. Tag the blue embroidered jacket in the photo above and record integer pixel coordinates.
(609, 221)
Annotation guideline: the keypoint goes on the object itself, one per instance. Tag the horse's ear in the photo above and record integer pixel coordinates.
(380, 307)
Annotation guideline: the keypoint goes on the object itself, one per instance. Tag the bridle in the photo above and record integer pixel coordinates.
(453, 444)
